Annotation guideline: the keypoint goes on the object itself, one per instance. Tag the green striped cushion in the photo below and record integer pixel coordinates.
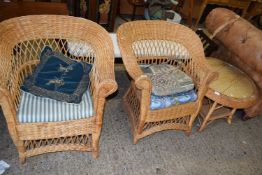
(40, 109)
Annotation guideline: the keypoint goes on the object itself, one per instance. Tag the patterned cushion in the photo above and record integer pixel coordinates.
(58, 77)
(160, 102)
(40, 109)
(168, 80)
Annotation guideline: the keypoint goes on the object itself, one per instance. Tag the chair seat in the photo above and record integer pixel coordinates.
(40, 109)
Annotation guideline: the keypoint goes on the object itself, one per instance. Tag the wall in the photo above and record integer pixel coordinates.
(126, 8)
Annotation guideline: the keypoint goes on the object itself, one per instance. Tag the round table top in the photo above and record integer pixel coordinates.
(233, 87)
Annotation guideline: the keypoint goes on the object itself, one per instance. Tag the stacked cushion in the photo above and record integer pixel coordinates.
(168, 80)
(170, 86)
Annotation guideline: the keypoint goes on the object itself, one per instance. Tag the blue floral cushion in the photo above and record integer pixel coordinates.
(160, 102)
(58, 77)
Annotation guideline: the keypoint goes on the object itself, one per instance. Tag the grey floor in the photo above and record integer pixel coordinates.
(220, 149)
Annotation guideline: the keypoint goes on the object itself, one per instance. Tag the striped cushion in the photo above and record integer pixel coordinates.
(40, 109)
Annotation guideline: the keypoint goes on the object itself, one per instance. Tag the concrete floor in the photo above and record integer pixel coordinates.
(220, 149)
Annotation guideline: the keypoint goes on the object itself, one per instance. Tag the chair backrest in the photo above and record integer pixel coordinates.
(154, 42)
(160, 39)
(23, 38)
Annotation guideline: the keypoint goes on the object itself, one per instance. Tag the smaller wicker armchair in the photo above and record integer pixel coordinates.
(147, 42)
(21, 42)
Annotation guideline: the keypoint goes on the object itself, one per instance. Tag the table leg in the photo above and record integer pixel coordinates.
(207, 117)
(229, 118)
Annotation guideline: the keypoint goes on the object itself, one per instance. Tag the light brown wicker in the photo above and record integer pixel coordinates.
(21, 41)
(146, 42)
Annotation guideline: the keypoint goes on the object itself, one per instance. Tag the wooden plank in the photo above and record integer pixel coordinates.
(15, 9)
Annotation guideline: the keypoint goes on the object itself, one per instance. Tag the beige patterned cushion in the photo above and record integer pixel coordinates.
(168, 80)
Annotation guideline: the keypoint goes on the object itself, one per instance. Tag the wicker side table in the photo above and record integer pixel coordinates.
(231, 91)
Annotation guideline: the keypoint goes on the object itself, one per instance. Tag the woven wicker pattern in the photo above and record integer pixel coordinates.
(85, 141)
(160, 48)
(21, 41)
(147, 42)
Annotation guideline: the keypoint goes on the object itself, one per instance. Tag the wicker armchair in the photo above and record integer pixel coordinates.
(147, 42)
(21, 41)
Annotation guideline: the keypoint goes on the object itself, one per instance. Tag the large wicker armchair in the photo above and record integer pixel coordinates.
(21, 41)
(147, 42)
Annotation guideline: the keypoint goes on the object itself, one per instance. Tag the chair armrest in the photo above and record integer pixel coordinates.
(131, 65)
(106, 87)
(104, 77)
(7, 106)
(103, 84)
(141, 80)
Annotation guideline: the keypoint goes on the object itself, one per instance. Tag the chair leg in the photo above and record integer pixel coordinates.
(95, 144)
(200, 14)
(21, 151)
(95, 154)
(135, 136)
(95, 147)
(188, 132)
(135, 140)
(22, 158)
